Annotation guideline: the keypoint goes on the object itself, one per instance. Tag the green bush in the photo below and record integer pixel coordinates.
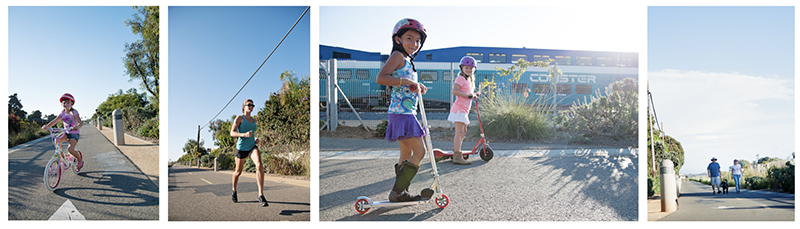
(613, 115)
(381, 128)
(226, 161)
(783, 178)
(207, 160)
(757, 182)
(653, 186)
(24, 131)
(509, 116)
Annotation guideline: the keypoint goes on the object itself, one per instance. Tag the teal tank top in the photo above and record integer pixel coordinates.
(246, 144)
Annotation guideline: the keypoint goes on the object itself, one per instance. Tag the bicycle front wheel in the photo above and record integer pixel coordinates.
(52, 174)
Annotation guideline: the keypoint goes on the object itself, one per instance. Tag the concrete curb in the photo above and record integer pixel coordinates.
(23, 145)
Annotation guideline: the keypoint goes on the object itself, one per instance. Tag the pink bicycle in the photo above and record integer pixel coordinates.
(60, 161)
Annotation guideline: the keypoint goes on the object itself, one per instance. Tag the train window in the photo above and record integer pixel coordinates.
(519, 87)
(344, 74)
(564, 89)
(447, 76)
(428, 75)
(605, 61)
(429, 56)
(362, 74)
(564, 60)
(322, 74)
(478, 56)
(341, 55)
(544, 58)
(583, 61)
(624, 62)
(497, 58)
(583, 89)
(540, 88)
(515, 58)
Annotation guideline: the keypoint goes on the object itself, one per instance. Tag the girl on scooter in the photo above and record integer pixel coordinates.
(463, 90)
(399, 72)
(72, 125)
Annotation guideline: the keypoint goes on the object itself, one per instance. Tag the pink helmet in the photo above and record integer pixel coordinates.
(408, 23)
(467, 61)
(67, 96)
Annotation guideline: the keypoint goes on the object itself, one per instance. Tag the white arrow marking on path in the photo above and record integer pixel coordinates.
(67, 211)
(206, 181)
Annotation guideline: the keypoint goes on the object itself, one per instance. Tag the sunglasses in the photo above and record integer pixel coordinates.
(250, 105)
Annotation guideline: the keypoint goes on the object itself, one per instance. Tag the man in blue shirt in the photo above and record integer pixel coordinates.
(713, 173)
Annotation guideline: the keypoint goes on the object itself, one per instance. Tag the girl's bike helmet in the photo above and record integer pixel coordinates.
(67, 96)
(468, 61)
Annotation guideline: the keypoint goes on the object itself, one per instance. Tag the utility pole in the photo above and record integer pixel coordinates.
(197, 152)
(652, 140)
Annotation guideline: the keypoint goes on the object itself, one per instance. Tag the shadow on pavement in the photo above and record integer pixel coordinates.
(611, 181)
(123, 190)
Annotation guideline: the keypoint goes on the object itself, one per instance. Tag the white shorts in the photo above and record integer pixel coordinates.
(458, 117)
(715, 181)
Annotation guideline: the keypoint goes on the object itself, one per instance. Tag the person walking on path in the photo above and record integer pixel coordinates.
(244, 127)
(736, 173)
(713, 173)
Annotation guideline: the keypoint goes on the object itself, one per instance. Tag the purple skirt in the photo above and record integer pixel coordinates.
(403, 126)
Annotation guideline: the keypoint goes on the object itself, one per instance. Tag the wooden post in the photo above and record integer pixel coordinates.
(198, 146)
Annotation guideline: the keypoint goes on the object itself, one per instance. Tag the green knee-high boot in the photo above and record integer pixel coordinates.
(405, 173)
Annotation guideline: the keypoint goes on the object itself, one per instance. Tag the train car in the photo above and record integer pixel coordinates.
(584, 74)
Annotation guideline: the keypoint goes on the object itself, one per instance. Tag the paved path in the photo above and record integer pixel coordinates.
(199, 194)
(696, 203)
(568, 185)
(144, 154)
(110, 187)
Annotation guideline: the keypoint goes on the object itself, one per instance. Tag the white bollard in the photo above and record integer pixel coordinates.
(669, 197)
(216, 161)
(119, 128)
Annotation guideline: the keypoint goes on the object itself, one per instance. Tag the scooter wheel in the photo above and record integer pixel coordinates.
(442, 202)
(360, 206)
(487, 153)
(465, 156)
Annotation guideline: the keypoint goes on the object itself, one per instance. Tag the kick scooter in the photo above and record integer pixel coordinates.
(481, 147)
(60, 161)
(363, 203)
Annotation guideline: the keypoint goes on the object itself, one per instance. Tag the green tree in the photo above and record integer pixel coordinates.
(142, 56)
(35, 115)
(285, 117)
(191, 149)
(15, 106)
(221, 133)
(120, 100)
(50, 117)
(666, 147)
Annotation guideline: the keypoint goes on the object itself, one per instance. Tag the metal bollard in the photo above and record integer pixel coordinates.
(669, 198)
(99, 123)
(216, 161)
(119, 128)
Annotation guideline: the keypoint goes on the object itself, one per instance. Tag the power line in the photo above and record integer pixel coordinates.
(259, 68)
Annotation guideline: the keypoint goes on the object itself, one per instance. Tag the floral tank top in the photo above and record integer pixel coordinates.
(403, 100)
(70, 120)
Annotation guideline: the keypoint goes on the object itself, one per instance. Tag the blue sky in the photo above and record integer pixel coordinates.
(722, 80)
(212, 53)
(53, 50)
(596, 28)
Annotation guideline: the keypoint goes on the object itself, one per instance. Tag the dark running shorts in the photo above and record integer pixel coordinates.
(241, 154)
